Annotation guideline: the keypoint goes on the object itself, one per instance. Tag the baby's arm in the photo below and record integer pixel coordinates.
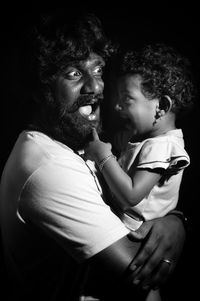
(128, 191)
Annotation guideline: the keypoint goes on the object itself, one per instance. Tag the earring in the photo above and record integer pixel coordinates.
(159, 114)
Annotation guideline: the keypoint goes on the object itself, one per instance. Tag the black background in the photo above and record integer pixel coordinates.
(131, 24)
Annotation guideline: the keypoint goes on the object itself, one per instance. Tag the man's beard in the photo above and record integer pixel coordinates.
(65, 124)
(74, 130)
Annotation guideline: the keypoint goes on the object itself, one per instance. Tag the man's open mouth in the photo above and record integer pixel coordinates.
(90, 111)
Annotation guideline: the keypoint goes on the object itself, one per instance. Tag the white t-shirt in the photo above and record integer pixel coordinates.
(166, 153)
(50, 194)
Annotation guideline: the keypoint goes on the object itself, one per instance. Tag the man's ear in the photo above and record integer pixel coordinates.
(165, 104)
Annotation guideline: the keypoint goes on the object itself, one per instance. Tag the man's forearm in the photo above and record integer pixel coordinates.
(109, 272)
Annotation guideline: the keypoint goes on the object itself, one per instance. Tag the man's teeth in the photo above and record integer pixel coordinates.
(85, 110)
(92, 117)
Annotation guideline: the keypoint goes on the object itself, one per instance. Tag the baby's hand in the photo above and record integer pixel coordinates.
(97, 150)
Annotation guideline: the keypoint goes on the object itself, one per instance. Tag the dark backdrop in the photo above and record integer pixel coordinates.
(131, 25)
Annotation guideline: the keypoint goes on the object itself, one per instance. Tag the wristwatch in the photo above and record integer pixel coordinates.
(181, 215)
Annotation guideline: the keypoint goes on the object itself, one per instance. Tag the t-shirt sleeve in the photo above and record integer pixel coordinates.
(164, 155)
(64, 201)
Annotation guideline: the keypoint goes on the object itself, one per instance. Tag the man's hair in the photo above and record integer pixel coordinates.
(62, 39)
(164, 72)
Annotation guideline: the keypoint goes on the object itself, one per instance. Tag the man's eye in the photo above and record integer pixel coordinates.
(72, 74)
(98, 70)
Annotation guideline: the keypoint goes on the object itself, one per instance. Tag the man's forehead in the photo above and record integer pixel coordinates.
(92, 60)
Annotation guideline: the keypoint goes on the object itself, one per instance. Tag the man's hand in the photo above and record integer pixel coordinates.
(163, 240)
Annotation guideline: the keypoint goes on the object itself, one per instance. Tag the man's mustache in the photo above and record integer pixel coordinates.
(84, 100)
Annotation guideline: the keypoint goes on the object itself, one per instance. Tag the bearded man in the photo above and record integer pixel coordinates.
(54, 220)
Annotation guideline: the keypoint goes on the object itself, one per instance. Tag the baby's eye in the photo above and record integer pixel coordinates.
(127, 100)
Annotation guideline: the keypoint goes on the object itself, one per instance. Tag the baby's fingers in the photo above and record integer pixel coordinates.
(95, 134)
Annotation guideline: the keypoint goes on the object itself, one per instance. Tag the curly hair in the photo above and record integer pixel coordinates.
(62, 39)
(164, 72)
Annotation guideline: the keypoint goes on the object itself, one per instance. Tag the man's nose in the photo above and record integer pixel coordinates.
(93, 85)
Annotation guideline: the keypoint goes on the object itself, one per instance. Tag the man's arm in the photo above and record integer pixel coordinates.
(109, 277)
(164, 240)
(127, 268)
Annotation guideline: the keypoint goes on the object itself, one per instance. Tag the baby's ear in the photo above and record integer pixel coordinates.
(165, 104)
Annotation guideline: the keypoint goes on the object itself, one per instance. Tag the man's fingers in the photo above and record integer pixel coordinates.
(143, 256)
(95, 134)
(149, 269)
(153, 274)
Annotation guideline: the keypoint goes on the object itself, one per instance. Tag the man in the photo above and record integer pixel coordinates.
(53, 216)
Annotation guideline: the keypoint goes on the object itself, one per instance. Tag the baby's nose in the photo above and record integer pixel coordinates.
(118, 107)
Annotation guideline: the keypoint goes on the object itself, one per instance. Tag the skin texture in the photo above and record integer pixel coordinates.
(78, 85)
(134, 106)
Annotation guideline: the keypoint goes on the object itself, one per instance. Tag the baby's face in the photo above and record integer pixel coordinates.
(134, 106)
